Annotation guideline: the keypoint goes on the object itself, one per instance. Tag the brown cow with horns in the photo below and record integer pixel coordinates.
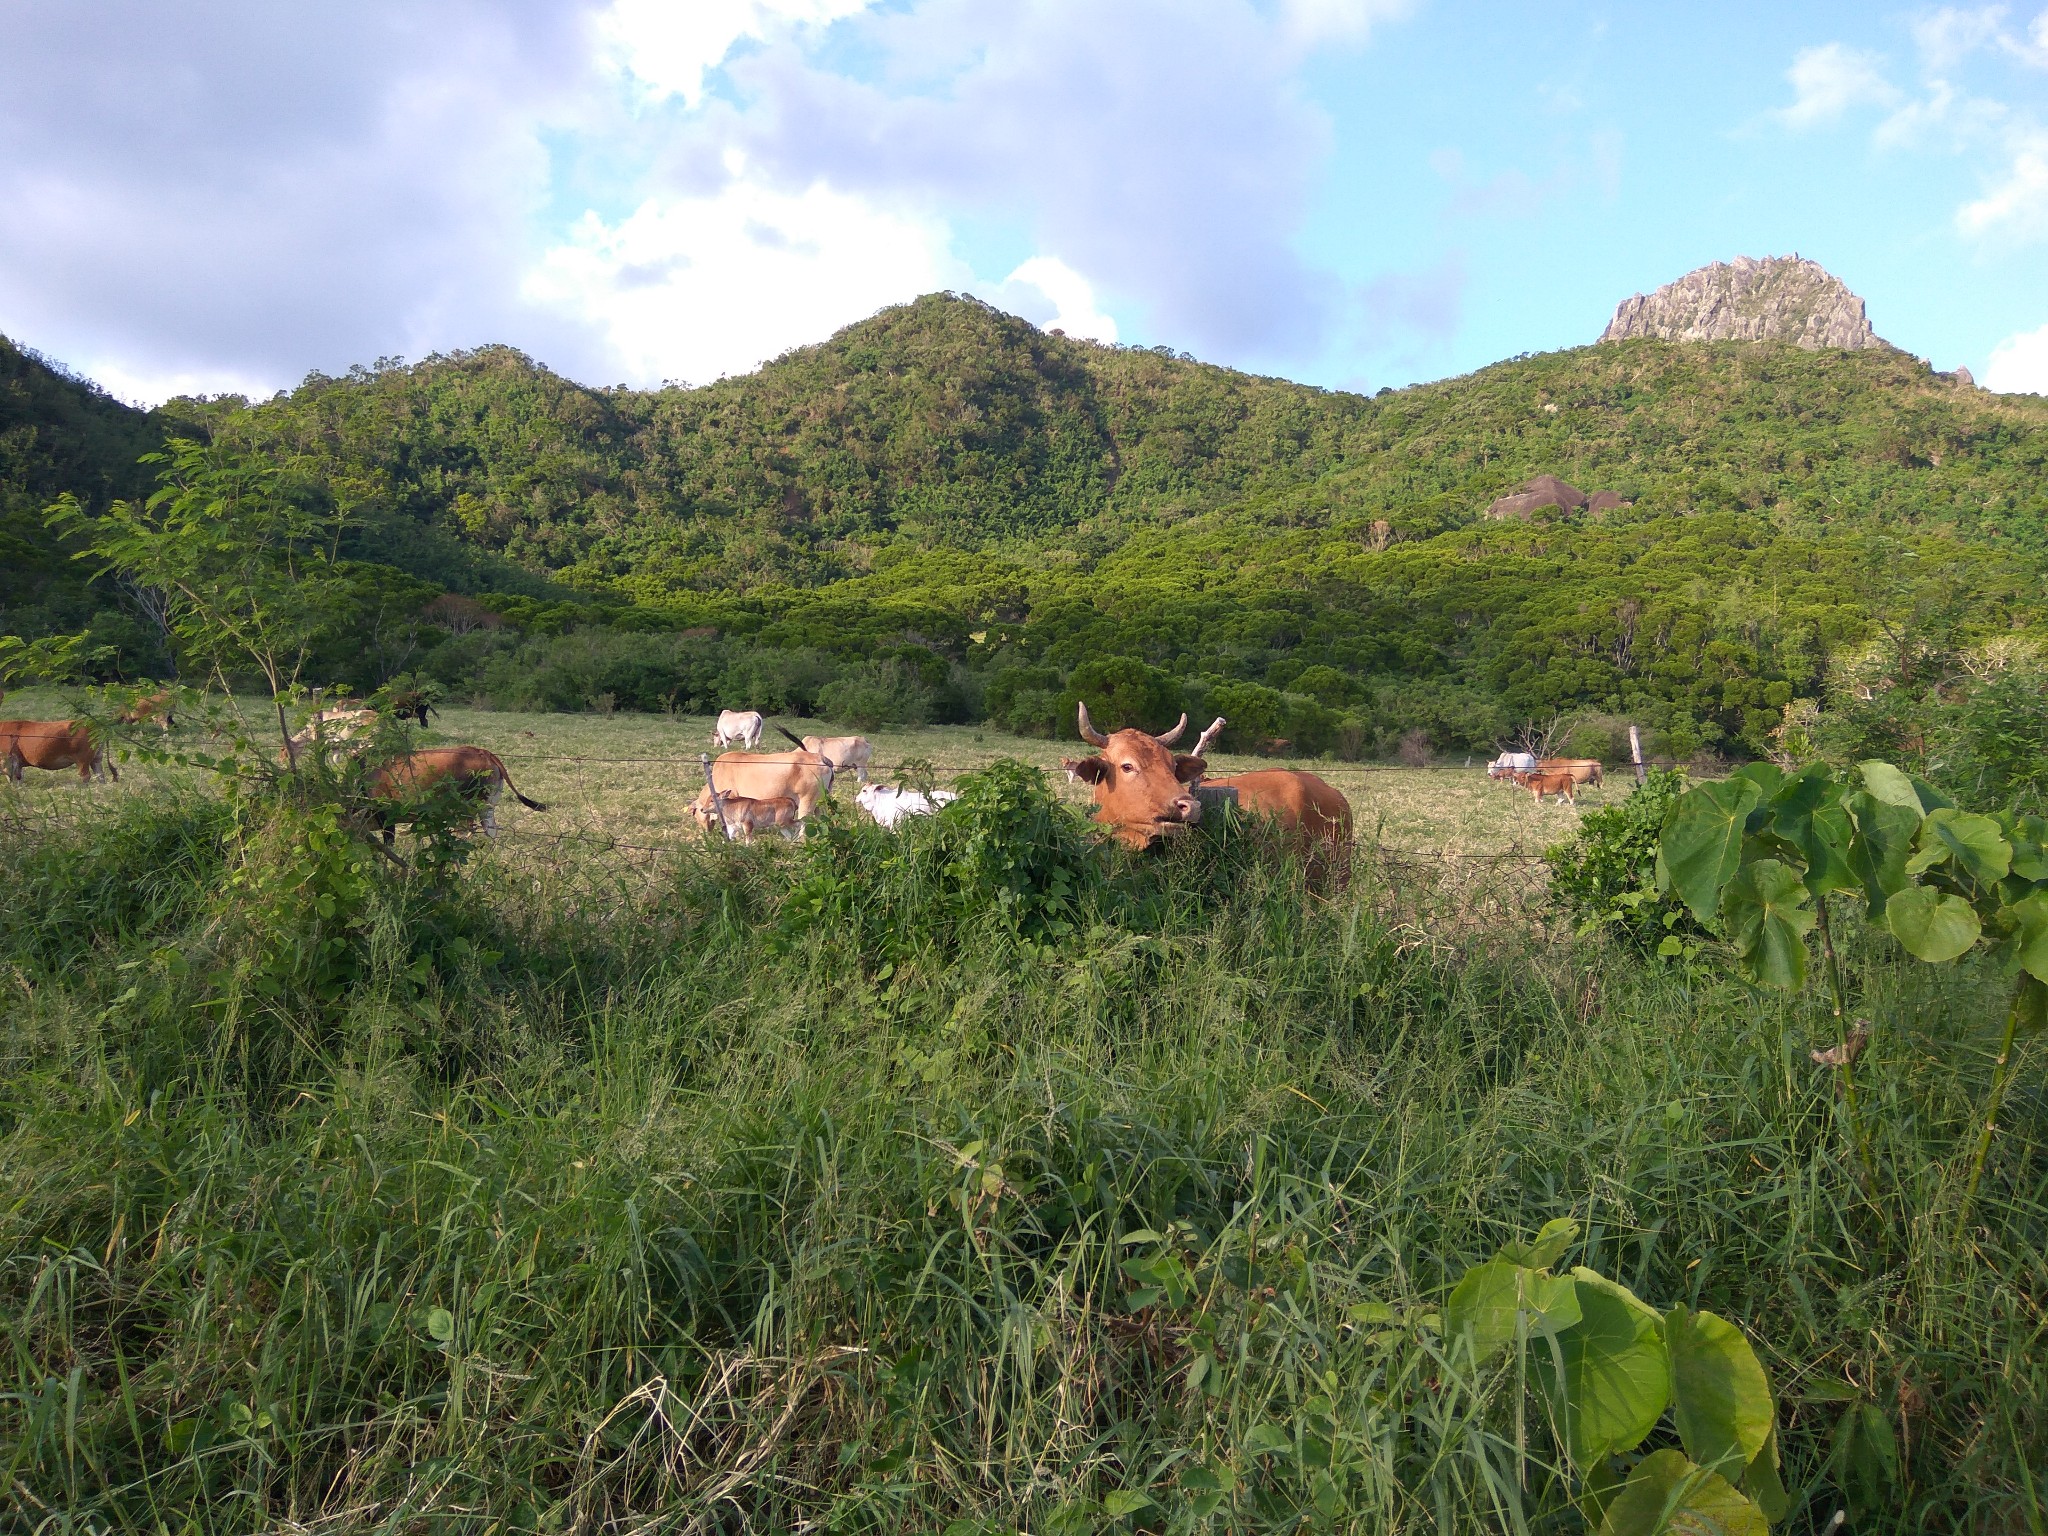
(1143, 792)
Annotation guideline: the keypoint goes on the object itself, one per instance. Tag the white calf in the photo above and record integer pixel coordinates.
(889, 805)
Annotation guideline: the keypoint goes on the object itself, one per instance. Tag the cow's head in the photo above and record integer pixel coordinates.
(1140, 788)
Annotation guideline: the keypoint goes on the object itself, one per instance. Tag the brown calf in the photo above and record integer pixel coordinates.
(160, 707)
(1539, 784)
(743, 817)
(52, 744)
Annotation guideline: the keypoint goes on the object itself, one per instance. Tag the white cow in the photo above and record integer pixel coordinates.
(1508, 764)
(737, 727)
(889, 805)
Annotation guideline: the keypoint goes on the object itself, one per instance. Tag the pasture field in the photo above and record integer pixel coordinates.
(626, 778)
(977, 1180)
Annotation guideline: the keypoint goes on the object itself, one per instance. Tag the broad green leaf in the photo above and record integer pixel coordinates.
(1702, 843)
(1557, 1235)
(1668, 1494)
(440, 1324)
(1492, 1295)
(1719, 1393)
(1890, 785)
(1766, 915)
(2029, 921)
(2029, 838)
(1971, 843)
(1880, 846)
(1125, 1501)
(1617, 1372)
(1933, 926)
(1763, 1484)
(1931, 799)
(1800, 794)
(1767, 777)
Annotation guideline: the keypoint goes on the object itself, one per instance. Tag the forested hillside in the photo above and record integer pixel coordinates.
(57, 433)
(943, 512)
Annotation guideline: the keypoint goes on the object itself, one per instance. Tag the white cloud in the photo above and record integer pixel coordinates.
(670, 47)
(234, 193)
(694, 287)
(1827, 81)
(1945, 38)
(2019, 364)
(2016, 207)
(1164, 149)
(1309, 22)
(221, 197)
(1070, 296)
(2033, 48)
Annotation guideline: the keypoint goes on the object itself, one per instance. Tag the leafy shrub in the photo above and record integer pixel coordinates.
(1121, 691)
(776, 682)
(875, 693)
(1007, 855)
(1997, 746)
(1606, 873)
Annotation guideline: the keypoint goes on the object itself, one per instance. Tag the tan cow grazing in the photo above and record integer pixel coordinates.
(160, 707)
(803, 777)
(54, 745)
(478, 774)
(1539, 784)
(1141, 789)
(1584, 770)
(846, 752)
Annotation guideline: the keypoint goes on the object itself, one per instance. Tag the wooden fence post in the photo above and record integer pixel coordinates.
(1635, 752)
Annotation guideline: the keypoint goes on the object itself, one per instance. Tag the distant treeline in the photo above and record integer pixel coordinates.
(943, 514)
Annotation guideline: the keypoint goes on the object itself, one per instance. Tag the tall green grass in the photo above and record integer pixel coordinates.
(828, 1189)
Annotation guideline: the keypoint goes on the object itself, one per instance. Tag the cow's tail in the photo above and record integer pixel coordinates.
(795, 740)
(531, 805)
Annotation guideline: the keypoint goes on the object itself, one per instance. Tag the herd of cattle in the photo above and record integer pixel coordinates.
(1143, 792)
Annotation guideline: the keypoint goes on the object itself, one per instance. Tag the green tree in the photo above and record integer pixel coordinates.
(248, 573)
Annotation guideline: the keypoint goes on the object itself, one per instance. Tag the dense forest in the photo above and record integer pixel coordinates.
(943, 513)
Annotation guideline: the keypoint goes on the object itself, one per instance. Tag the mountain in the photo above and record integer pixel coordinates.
(944, 498)
(1780, 298)
(58, 433)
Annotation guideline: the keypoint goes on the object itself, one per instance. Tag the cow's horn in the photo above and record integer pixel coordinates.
(1215, 726)
(1089, 734)
(1168, 738)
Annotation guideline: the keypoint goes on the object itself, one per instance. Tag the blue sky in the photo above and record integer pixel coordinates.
(1350, 192)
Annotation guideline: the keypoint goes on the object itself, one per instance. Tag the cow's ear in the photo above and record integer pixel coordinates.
(1188, 769)
(1093, 769)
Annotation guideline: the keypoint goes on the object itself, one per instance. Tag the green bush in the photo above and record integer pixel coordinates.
(1996, 749)
(1606, 873)
(876, 693)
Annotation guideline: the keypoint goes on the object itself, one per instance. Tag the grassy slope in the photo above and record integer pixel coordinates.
(768, 1235)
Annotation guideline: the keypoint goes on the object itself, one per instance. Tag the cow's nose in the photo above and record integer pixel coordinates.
(1187, 808)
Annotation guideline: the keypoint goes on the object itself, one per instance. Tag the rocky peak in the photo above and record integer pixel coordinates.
(1780, 298)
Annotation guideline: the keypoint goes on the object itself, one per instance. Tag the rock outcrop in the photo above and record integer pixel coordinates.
(1543, 491)
(1781, 298)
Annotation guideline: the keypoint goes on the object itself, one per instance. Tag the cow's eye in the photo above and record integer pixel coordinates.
(1129, 767)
